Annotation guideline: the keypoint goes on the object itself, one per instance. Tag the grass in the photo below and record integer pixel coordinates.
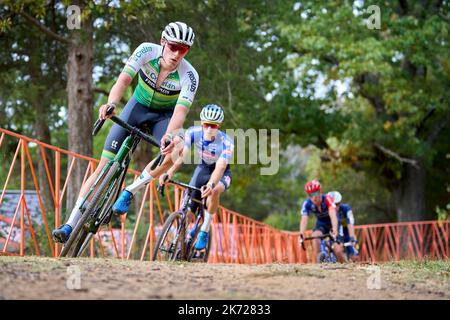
(415, 272)
(435, 266)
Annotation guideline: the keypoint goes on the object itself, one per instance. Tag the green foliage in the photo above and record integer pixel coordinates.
(444, 213)
(395, 93)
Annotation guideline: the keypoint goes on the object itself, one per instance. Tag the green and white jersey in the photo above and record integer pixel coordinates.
(178, 88)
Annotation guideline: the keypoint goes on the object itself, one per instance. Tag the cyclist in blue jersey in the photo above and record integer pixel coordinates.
(213, 150)
(323, 207)
(166, 87)
(346, 223)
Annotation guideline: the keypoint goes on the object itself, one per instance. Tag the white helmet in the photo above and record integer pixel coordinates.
(337, 197)
(212, 113)
(179, 32)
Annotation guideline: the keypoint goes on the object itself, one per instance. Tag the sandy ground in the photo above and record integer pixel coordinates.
(48, 278)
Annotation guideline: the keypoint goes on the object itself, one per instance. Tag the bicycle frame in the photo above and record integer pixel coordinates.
(106, 187)
(182, 230)
(123, 157)
(327, 249)
(183, 211)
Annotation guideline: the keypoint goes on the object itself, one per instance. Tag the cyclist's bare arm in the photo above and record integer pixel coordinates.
(174, 168)
(351, 230)
(179, 162)
(303, 224)
(175, 125)
(217, 174)
(334, 220)
(116, 92)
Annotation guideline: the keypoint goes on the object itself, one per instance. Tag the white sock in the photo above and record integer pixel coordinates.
(76, 214)
(140, 182)
(207, 223)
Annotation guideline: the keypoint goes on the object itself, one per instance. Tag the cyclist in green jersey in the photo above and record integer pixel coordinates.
(165, 91)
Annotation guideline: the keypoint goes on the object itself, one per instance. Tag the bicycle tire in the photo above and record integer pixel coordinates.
(208, 247)
(174, 216)
(80, 225)
(81, 244)
(321, 258)
(192, 249)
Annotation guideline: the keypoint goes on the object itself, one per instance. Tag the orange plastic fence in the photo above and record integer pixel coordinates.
(235, 238)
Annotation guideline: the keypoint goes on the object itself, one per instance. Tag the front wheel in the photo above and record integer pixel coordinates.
(321, 257)
(81, 230)
(203, 255)
(170, 242)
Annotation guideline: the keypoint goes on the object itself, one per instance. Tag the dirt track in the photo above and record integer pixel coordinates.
(47, 278)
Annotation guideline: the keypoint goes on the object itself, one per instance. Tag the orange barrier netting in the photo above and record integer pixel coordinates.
(235, 238)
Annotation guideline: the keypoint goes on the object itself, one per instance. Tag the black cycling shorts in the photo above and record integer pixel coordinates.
(201, 177)
(140, 116)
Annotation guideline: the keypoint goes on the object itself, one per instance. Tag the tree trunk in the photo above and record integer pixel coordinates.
(43, 134)
(41, 127)
(410, 195)
(80, 101)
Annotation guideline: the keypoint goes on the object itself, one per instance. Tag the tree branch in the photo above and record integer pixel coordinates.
(395, 155)
(425, 118)
(230, 98)
(106, 93)
(445, 18)
(44, 29)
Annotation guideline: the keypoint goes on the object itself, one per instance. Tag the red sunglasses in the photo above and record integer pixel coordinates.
(210, 125)
(174, 47)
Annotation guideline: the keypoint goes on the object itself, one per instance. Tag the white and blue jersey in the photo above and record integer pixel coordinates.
(209, 152)
(345, 217)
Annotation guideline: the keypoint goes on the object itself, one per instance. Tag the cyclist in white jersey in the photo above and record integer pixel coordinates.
(165, 91)
(213, 148)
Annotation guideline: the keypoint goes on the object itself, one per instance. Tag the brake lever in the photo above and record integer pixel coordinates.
(204, 204)
(159, 160)
(99, 123)
(161, 189)
(302, 242)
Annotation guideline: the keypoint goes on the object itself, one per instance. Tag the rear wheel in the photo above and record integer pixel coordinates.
(321, 258)
(170, 244)
(81, 231)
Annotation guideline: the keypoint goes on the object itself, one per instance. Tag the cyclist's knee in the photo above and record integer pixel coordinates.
(317, 233)
(215, 193)
(167, 163)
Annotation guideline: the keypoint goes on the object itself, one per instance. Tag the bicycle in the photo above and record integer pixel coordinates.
(174, 243)
(96, 207)
(326, 254)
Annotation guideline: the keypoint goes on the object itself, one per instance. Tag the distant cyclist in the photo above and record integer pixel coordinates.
(323, 207)
(346, 222)
(214, 149)
(161, 100)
